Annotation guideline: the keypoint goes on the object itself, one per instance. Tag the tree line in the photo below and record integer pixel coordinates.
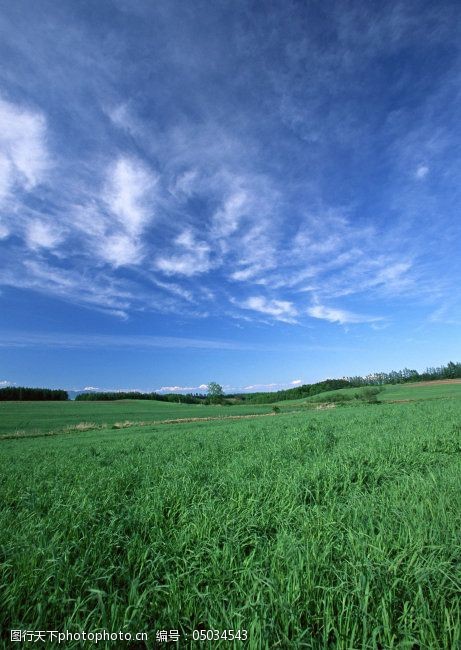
(22, 393)
(450, 371)
(306, 390)
(169, 397)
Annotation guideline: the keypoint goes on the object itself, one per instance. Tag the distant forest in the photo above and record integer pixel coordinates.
(21, 393)
(451, 371)
(170, 397)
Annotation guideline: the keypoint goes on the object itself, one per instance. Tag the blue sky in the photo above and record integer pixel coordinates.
(254, 193)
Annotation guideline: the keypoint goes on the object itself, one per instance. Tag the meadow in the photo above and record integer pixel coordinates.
(45, 417)
(390, 393)
(35, 418)
(315, 529)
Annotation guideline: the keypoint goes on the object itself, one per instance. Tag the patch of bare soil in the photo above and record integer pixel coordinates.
(207, 419)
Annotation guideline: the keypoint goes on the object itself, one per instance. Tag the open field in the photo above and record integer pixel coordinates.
(318, 529)
(41, 417)
(394, 392)
(423, 390)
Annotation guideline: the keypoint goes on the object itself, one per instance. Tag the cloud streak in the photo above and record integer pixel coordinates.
(340, 316)
(281, 310)
(59, 340)
(24, 158)
(270, 196)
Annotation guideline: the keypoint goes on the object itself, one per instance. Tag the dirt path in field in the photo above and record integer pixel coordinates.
(207, 419)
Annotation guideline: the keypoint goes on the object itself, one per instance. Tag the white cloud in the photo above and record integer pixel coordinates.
(128, 194)
(112, 390)
(422, 171)
(393, 277)
(175, 289)
(273, 386)
(4, 231)
(448, 313)
(4, 383)
(120, 250)
(40, 234)
(340, 316)
(6, 176)
(246, 274)
(226, 220)
(195, 259)
(24, 159)
(258, 387)
(112, 223)
(121, 117)
(258, 254)
(185, 184)
(182, 389)
(282, 310)
(102, 293)
(243, 219)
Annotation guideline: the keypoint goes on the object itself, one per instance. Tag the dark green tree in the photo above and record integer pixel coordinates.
(215, 393)
(215, 390)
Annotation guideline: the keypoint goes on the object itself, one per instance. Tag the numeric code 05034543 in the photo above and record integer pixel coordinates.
(217, 635)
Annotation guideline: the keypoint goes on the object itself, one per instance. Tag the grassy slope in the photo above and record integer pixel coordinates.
(391, 393)
(34, 417)
(325, 529)
(49, 416)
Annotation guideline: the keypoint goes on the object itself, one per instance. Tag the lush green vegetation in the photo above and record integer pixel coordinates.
(388, 393)
(421, 391)
(22, 393)
(451, 371)
(318, 529)
(42, 417)
(216, 395)
(300, 392)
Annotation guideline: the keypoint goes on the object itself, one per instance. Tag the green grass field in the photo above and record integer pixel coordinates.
(312, 529)
(390, 393)
(42, 417)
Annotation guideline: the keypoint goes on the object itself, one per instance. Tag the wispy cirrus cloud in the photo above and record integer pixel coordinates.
(340, 316)
(128, 194)
(281, 310)
(40, 234)
(282, 186)
(24, 158)
(60, 340)
(193, 258)
(113, 222)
